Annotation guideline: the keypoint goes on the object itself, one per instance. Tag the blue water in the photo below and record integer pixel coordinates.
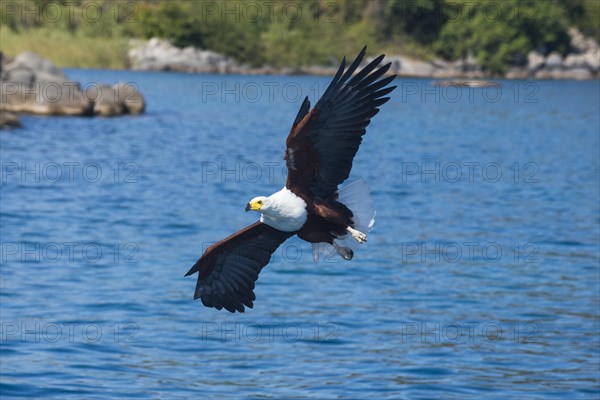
(480, 280)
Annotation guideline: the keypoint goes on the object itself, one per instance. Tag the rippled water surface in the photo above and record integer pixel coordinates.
(480, 279)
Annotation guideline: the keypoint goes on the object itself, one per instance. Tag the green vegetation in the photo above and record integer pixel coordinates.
(71, 36)
(501, 34)
(498, 33)
(67, 49)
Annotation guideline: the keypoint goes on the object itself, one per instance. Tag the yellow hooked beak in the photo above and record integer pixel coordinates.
(254, 205)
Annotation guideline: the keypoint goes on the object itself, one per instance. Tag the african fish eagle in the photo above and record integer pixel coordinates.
(319, 152)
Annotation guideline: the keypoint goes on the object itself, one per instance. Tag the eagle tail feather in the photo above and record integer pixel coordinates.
(356, 195)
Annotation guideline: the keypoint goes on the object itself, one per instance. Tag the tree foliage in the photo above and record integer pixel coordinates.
(420, 19)
(305, 32)
(585, 14)
(501, 34)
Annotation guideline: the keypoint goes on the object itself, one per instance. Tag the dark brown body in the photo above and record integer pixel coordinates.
(326, 221)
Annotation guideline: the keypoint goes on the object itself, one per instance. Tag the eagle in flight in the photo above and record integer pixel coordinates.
(319, 152)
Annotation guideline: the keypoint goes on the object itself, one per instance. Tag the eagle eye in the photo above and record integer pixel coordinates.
(259, 202)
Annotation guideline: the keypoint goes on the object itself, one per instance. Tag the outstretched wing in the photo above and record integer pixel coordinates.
(228, 269)
(323, 142)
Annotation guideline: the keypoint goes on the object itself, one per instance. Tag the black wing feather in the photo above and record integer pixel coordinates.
(335, 126)
(304, 108)
(227, 270)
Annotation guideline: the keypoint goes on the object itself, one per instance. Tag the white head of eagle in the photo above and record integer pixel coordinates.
(282, 210)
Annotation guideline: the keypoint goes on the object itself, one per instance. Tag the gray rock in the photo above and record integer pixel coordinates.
(130, 96)
(107, 102)
(35, 63)
(591, 45)
(578, 73)
(580, 43)
(440, 64)
(160, 55)
(44, 99)
(410, 67)
(9, 120)
(396, 63)
(449, 72)
(517, 73)
(46, 77)
(592, 60)
(32, 84)
(320, 71)
(554, 60)
(121, 98)
(574, 61)
(535, 61)
(19, 74)
(470, 63)
(552, 73)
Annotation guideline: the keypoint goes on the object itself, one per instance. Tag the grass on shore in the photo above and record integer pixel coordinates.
(65, 49)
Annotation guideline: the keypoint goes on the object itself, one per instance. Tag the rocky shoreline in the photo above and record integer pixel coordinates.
(32, 84)
(582, 63)
(9, 120)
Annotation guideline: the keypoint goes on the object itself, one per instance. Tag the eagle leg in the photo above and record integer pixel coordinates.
(357, 235)
(345, 252)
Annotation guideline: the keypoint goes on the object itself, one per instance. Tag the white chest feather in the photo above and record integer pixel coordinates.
(285, 211)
